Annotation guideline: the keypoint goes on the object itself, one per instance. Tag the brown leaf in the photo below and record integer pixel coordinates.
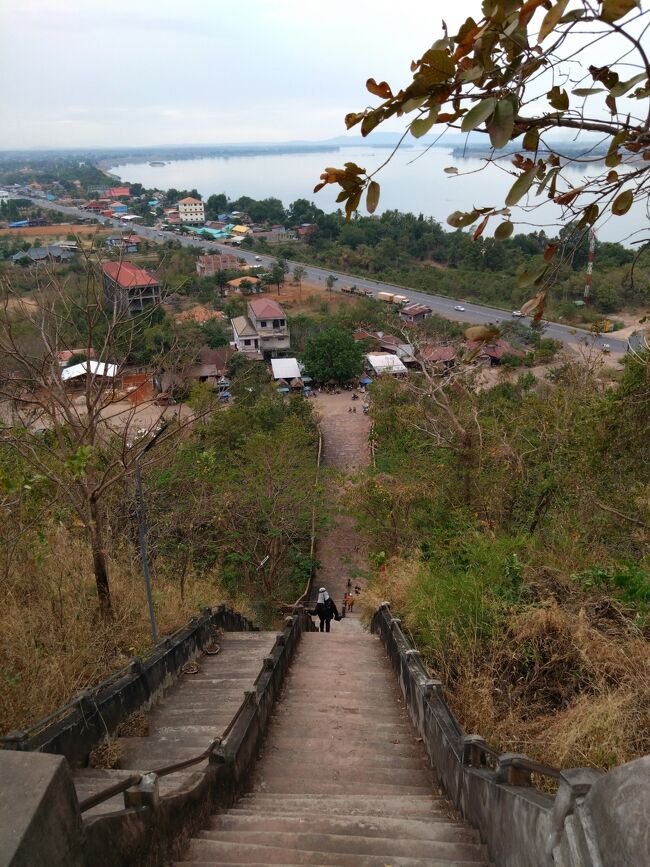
(353, 118)
(372, 198)
(482, 332)
(528, 10)
(615, 9)
(382, 89)
(549, 252)
(480, 228)
(551, 19)
(568, 197)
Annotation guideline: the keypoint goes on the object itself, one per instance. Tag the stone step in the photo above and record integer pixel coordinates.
(280, 769)
(347, 826)
(349, 763)
(218, 852)
(308, 786)
(357, 844)
(340, 803)
(393, 744)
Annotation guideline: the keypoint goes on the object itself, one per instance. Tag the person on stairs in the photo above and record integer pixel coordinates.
(325, 609)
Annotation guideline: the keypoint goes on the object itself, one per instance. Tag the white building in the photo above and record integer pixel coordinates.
(245, 337)
(191, 211)
(384, 362)
(270, 322)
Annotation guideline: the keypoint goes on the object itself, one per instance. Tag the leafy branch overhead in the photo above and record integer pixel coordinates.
(516, 74)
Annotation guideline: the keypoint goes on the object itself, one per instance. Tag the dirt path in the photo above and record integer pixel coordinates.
(340, 551)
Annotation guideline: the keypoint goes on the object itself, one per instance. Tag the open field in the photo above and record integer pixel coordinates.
(28, 233)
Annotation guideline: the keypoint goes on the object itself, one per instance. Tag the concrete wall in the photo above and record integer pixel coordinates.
(40, 822)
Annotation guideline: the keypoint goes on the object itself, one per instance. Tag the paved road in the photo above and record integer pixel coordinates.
(474, 313)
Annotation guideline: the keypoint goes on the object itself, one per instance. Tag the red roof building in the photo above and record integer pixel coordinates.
(131, 286)
(118, 192)
(265, 308)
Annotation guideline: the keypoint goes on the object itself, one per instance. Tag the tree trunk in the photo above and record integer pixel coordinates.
(100, 563)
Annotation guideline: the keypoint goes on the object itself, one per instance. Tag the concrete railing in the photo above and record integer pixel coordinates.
(594, 820)
(151, 829)
(95, 714)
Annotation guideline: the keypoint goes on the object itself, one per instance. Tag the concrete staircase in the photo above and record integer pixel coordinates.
(193, 711)
(342, 780)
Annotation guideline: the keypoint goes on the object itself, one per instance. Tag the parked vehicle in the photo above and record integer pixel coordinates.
(387, 297)
(400, 300)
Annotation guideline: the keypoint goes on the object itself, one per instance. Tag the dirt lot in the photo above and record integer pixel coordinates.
(308, 298)
(61, 231)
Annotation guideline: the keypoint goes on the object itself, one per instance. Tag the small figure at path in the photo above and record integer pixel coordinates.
(348, 601)
(349, 585)
(326, 610)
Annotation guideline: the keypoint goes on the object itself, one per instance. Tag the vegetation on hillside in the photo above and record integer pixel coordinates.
(509, 528)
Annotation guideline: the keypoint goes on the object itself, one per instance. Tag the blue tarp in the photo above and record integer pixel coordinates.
(365, 381)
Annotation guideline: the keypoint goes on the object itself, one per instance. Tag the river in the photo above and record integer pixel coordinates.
(413, 181)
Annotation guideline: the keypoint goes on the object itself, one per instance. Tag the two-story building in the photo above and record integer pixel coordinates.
(264, 330)
(131, 287)
(191, 211)
(270, 322)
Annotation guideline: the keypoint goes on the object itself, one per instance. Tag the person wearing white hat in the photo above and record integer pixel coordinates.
(325, 609)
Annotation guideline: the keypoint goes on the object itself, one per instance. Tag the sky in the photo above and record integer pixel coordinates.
(83, 73)
(109, 73)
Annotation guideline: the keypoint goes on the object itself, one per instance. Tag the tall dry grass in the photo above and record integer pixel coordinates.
(566, 683)
(52, 641)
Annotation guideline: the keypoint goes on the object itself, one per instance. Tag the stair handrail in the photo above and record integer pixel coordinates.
(476, 749)
(11, 739)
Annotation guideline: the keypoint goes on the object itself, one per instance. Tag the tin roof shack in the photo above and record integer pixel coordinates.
(495, 351)
(102, 377)
(413, 313)
(132, 287)
(384, 362)
(286, 368)
(445, 356)
(212, 366)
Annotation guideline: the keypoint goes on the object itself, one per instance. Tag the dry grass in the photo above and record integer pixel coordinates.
(106, 755)
(52, 643)
(136, 725)
(568, 684)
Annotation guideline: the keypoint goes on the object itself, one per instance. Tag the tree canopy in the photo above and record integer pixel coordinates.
(333, 354)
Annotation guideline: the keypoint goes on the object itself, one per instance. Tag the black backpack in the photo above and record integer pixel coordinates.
(328, 605)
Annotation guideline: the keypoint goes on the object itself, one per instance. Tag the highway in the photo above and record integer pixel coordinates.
(475, 314)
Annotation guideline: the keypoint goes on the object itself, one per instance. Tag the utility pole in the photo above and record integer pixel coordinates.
(142, 531)
(590, 266)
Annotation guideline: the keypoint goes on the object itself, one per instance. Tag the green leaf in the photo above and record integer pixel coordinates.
(503, 230)
(521, 186)
(501, 124)
(589, 215)
(587, 91)
(528, 278)
(372, 199)
(623, 86)
(615, 9)
(460, 219)
(477, 114)
(421, 125)
(531, 139)
(622, 203)
(551, 19)
(558, 98)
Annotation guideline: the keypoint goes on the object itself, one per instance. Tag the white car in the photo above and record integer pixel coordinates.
(517, 313)
(258, 258)
(460, 308)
